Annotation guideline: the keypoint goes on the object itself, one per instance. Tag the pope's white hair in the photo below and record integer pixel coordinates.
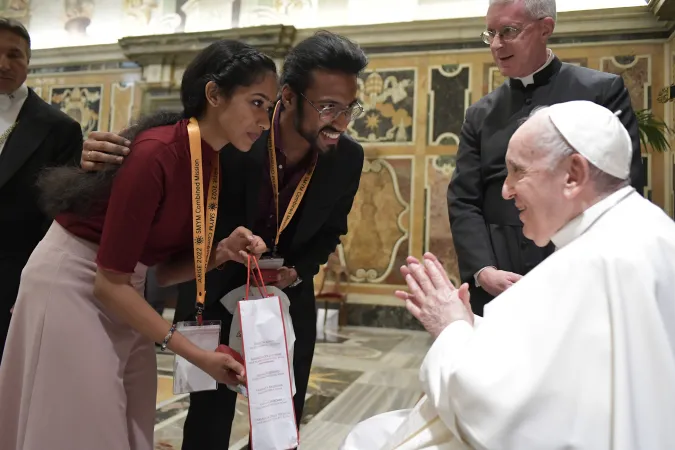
(557, 149)
(536, 9)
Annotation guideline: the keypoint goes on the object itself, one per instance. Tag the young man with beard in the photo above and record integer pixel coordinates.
(316, 166)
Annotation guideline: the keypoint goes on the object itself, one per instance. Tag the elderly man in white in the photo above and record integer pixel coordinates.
(580, 353)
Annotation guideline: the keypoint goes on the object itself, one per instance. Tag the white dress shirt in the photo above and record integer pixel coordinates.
(10, 106)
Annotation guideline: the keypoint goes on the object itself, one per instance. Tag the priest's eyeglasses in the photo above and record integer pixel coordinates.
(332, 113)
(508, 33)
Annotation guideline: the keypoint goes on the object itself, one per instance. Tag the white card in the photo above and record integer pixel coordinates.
(231, 300)
(186, 376)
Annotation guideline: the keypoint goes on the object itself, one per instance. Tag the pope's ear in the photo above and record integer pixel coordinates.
(578, 174)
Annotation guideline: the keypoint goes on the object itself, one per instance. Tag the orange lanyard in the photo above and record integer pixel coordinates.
(274, 177)
(202, 244)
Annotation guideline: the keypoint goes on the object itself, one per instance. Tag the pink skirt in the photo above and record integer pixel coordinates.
(73, 376)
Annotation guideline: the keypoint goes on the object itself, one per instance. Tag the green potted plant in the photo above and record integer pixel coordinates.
(653, 131)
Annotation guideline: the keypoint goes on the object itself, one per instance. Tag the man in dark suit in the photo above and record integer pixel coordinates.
(33, 135)
(491, 249)
(318, 100)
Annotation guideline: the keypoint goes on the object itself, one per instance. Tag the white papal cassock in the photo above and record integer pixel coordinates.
(579, 354)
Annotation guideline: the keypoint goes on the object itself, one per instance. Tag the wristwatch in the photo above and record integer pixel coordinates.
(297, 281)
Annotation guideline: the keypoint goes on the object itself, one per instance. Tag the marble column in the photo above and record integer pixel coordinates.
(205, 15)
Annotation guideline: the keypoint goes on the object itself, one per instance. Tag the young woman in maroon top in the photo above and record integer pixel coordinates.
(79, 370)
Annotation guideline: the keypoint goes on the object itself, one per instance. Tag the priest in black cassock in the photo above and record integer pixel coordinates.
(487, 232)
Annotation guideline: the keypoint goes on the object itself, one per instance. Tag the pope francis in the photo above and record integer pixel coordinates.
(578, 354)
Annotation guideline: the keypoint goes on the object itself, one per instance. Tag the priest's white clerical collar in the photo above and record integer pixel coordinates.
(7, 100)
(577, 226)
(529, 79)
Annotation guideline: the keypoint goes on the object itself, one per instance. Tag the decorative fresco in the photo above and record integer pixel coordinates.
(78, 15)
(388, 99)
(287, 6)
(82, 103)
(449, 97)
(379, 222)
(16, 9)
(140, 10)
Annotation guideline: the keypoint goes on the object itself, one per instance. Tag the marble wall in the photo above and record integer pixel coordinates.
(414, 108)
(98, 100)
(415, 105)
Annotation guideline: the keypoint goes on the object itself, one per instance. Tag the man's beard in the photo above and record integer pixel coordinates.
(313, 138)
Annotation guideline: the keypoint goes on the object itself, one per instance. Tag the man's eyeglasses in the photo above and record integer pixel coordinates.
(508, 33)
(332, 113)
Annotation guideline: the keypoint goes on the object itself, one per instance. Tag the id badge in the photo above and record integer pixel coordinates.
(187, 377)
(274, 263)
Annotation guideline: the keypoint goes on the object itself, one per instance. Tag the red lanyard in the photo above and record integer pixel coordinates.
(261, 286)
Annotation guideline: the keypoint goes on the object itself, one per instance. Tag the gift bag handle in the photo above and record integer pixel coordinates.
(261, 286)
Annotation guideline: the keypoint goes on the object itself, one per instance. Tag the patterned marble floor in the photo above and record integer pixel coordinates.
(357, 372)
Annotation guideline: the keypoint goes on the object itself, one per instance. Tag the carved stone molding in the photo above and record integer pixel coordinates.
(663, 9)
(66, 56)
(180, 48)
(417, 35)
(163, 57)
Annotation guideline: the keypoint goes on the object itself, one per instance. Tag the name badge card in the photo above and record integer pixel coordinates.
(270, 400)
(186, 376)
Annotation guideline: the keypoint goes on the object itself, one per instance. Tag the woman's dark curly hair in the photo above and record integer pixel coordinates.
(228, 63)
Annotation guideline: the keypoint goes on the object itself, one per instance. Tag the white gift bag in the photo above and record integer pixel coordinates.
(230, 302)
(268, 374)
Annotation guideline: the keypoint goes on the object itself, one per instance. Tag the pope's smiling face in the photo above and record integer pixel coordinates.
(536, 183)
